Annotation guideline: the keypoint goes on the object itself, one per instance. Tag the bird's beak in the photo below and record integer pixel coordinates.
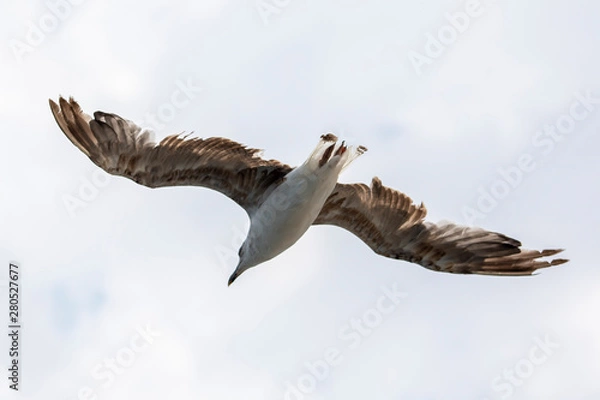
(232, 278)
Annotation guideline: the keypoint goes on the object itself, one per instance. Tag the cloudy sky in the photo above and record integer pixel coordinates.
(488, 112)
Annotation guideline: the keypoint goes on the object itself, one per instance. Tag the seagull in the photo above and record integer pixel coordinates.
(283, 202)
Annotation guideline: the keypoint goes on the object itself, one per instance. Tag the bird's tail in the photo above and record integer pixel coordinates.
(328, 148)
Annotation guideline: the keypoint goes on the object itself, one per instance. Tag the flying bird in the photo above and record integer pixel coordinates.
(283, 202)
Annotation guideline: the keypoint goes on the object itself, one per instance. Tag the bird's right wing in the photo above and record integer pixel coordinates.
(120, 147)
(388, 222)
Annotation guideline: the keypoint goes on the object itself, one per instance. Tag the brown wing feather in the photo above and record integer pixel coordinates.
(394, 227)
(120, 147)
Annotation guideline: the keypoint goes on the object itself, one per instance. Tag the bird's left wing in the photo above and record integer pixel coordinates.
(389, 222)
(120, 147)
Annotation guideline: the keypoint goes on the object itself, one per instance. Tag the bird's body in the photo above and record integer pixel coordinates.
(283, 202)
(292, 207)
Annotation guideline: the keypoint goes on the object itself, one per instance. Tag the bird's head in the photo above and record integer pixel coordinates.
(245, 263)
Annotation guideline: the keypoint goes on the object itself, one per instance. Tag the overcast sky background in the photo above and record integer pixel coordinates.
(133, 258)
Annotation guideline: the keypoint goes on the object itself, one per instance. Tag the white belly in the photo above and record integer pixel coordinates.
(289, 211)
